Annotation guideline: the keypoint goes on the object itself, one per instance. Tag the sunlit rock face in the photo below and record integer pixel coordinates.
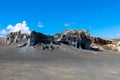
(77, 38)
(36, 37)
(15, 37)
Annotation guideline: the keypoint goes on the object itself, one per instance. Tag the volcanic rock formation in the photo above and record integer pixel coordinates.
(77, 38)
(15, 37)
(36, 38)
(101, 41)
(80, 39)
(103, 44)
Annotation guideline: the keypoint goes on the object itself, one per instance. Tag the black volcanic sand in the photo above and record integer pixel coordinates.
(63, 63)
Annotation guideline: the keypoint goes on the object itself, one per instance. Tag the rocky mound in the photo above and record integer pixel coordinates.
(15, 37)
(100, 41)
(80, 39)
(103, 44)
(77, 38)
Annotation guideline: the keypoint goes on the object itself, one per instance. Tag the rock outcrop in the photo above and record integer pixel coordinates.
(36, 38)
(15, 37)
(103, 44)
(77, 38)
(80, 39)
(100, 41)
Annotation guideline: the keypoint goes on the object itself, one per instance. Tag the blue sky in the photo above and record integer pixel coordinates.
(99, 17)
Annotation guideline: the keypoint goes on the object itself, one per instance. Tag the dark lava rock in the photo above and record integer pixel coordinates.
(36, 38)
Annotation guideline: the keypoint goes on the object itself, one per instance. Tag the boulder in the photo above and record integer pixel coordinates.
(76, 38)
(36, 38)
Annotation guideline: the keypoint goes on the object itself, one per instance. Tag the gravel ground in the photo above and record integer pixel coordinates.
(63, 63)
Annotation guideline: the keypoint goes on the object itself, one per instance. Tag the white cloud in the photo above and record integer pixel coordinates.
(40, 25)
(19, 26)
(3, 32)
(66, 24)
